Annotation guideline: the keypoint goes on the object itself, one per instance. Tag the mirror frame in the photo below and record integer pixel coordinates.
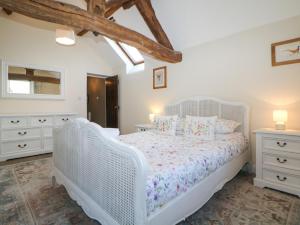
(4, 80)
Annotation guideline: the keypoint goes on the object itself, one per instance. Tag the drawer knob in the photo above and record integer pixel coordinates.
(42, 121)
(22, 146)
(281, 179)
(281, 144)
(281, 161)
(65, 119)
(15, 121)
(22, 133)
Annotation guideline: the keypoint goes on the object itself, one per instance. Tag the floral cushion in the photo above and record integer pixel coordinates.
(226, 126)
(201, 127)
(165, 124)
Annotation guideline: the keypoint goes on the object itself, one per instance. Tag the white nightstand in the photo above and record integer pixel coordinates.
(143, 127)
(278, 160)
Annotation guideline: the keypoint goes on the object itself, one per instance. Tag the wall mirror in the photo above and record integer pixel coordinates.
(27, 81)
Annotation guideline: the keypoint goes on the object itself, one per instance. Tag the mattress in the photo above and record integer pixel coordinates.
(178, 163)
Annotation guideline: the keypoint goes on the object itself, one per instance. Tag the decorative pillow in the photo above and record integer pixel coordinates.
(201, 127)
(166, 124)
(226, 126)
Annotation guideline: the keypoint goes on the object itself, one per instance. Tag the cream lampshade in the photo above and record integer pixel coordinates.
(151, 117)
(65, 36)
(280, 117)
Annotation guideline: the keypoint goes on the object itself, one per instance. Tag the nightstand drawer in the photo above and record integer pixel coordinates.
(281, 144)
(281, 178)
(281, 161)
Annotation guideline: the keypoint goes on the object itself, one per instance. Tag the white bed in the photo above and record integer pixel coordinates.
(131, 180)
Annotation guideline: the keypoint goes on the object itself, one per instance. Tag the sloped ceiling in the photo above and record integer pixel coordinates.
(192, 22)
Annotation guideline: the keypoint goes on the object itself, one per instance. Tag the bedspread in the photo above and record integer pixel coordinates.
(177, 162)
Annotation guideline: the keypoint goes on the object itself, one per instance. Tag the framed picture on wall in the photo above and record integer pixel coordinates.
(286, 52)
(160, 77)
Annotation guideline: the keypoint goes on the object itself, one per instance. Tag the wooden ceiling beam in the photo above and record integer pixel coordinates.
(8, 12)
(146, 10)
(15, 76)
(101, 7)
(73, 16)
(129, 4)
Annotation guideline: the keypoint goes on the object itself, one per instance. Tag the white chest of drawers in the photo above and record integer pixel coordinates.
(26, 135)
(278, 160)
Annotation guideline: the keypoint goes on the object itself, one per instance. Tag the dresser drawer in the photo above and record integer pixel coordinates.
(281, 178)
(41, 121)
(61, 120)
(13, 122)
(281, 144)
(21, 146)
(20, 134)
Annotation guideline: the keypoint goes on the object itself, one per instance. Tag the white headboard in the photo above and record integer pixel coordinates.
(209, 106)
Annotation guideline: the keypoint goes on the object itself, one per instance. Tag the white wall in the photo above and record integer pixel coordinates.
(235, 68)
(27, 41)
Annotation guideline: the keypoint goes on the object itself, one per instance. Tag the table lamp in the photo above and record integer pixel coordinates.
(280, 118)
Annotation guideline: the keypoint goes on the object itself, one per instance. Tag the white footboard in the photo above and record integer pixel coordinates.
(106, 177)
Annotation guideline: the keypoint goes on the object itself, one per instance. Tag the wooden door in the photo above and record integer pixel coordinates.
(96, 100)
(112, 102)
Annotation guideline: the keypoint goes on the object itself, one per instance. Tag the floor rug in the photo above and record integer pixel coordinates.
(27, 197)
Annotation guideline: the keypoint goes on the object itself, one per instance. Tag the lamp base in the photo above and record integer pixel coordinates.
(280, 126)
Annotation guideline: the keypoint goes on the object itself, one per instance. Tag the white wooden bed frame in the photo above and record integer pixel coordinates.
(108, 178)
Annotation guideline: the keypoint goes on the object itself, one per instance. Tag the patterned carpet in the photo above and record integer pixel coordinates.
(28, 198)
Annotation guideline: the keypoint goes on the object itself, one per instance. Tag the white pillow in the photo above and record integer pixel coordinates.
(166, 124)
(201, 127)
(226, 126)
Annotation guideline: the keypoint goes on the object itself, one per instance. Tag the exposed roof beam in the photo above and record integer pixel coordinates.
(73, 16)
(102, 8)
(129, 4)
(146, 10)
(15, 76)
(8, 12)
(82, 32)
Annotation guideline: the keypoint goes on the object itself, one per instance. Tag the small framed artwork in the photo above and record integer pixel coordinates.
(160, 77)
(286, 52)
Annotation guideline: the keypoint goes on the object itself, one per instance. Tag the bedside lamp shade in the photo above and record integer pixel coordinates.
(151, 117)
(280, 118)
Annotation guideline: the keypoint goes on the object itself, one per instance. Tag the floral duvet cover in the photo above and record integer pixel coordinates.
(177, 162)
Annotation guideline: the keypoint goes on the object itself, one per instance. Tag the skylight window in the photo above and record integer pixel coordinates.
(130, 55)
(133, 54)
